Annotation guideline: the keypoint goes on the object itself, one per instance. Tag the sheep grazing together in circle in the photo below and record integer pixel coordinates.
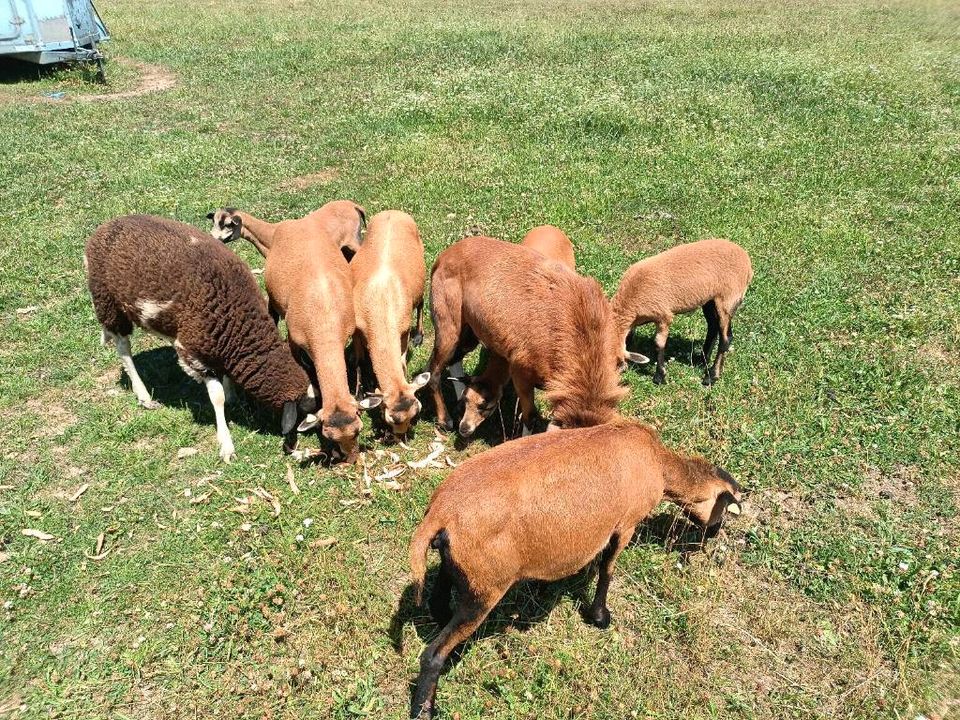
(338, 282)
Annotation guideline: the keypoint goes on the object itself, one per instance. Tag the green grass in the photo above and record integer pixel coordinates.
(823, 137)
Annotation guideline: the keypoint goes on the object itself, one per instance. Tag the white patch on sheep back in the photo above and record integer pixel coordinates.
(151, 309)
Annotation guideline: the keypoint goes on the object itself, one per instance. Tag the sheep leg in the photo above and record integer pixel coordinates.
(660, 340)
(229, 390)
(440, 596)
(417, 337)
(471, 611)
(724, 346)
(528, 408)
(445, 302)
(599, 614)
(122, 343)
(218, 400)
(713, 329)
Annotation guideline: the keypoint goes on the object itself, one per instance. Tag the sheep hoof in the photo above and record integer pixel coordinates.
(659, 379)
(708, 380)
(227, 454)
(446, 425)
(416, 339)
(149, 404)
(598, 618)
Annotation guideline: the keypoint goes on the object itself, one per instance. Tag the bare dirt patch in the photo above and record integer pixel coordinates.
(153, 79)
(55, 418)
(302, 182)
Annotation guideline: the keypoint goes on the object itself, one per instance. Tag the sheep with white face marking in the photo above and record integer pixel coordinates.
(389, 274)
(309, 285)
(176, 282)
(709, 274)
(340, 221)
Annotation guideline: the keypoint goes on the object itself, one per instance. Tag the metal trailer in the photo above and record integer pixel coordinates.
(52, 31)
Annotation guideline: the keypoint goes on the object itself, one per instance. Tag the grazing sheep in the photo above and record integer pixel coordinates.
(176, 282)
(709, 274)
(480, 394)
(541, 508)
(342, 221)
(309, 284)
(388, 280)
(553, 327)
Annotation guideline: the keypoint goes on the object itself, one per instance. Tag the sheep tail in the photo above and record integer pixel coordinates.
(422, 540)
(363, 215)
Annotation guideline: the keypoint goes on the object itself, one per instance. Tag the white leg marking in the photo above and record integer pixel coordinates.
(126, 359)
(217, 399)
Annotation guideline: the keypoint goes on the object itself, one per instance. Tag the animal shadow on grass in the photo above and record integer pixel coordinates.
(171, 387)
(686, 350)
(14, 72)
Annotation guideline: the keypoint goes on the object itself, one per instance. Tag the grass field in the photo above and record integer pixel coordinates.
(823, 137)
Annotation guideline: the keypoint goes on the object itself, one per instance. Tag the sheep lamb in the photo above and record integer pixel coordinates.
(542, 508)
(174, 281)
(709, 274)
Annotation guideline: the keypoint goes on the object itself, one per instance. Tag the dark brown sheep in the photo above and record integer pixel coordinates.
(553, 327)
(175, 281)
(541, 508)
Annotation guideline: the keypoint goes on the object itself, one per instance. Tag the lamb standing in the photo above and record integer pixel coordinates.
(388, 281)
(176, 282)
(309, 284)
(708, 274)
(541, 508)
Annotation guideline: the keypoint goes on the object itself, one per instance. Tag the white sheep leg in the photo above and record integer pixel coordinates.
(126, 359)
(218, 400)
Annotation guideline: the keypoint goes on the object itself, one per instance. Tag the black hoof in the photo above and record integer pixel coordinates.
(598, 618)
(708, 380)
(446, 425)
(659, 379)
(416, 339)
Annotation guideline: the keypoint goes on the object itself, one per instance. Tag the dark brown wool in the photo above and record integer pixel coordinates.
(211, 305)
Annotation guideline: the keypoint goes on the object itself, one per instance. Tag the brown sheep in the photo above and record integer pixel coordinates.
(388, 281)
(176, 282)
(542, 508)
(309, 284)
(342, 221)
(480, 394)
(708, 274)
(553, 327)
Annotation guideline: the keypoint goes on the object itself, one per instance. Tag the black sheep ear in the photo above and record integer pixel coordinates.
(289, 419)
(210, 215)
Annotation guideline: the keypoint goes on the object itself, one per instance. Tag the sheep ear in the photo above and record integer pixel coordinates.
(289, 418)
(637, 358)
(420, 380)
(734, 508)
(309, 423)
(459, 387)
(368, 403)
(210, 215)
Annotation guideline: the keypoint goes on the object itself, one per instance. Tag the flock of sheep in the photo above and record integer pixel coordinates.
(542, 506)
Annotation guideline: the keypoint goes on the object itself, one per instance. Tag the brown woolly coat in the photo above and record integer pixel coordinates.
(680, 280)
(552, 326)
(389, 275)
(176, 281)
